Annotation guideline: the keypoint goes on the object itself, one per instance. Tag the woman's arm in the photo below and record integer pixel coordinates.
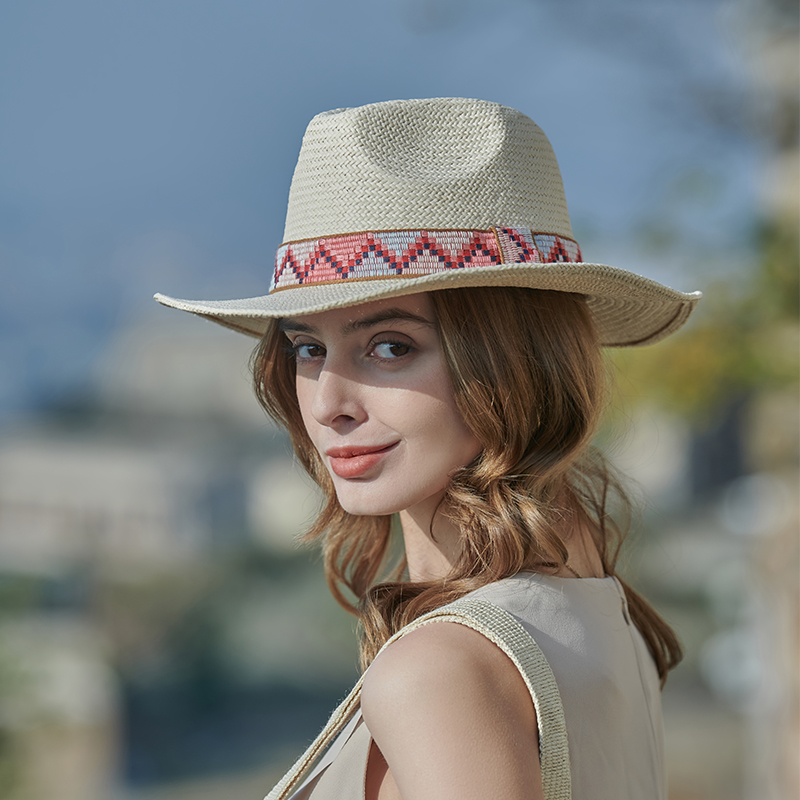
(453, 719)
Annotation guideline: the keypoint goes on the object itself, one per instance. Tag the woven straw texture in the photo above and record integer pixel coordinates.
(439, 163)
(502, 629)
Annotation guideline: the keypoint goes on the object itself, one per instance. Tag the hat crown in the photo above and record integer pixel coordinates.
(425, 164)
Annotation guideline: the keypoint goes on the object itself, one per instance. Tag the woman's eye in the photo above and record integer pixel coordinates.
(391, 349)
(304, 350)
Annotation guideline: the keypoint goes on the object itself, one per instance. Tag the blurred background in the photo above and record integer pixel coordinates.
(162, 637)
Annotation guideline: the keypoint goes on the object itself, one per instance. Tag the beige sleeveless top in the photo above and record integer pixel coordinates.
(612, 736)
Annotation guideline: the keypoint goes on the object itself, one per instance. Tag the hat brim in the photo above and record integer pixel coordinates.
(628, 309)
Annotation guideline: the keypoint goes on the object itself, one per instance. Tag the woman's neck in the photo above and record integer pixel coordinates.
(431, 557)
(432, 542)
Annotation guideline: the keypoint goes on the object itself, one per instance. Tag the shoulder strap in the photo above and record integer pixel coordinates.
(506, 632)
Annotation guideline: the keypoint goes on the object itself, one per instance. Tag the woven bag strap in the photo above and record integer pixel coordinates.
(508, 634)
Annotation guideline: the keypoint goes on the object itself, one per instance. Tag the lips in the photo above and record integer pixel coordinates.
(353, 462)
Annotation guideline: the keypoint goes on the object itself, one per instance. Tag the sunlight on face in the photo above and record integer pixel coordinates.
(376, 400)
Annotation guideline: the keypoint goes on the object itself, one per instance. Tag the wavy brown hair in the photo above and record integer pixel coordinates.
(529, 378)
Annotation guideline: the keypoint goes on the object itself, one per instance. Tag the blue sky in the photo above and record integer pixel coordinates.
(148, 145)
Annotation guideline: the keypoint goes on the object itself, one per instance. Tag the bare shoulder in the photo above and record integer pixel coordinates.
(438, 657)
(452, 716)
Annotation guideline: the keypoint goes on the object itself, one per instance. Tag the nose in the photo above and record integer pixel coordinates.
(337, 401)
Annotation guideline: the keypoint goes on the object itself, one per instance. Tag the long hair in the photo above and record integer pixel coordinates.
(529, 379)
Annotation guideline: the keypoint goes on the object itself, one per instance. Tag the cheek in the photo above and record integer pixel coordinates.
(304, 390)
(461, 444)
(444, 430)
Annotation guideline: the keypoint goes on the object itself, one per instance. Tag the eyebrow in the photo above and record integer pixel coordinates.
(387, 315)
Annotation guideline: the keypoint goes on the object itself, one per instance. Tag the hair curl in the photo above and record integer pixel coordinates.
(529, 379)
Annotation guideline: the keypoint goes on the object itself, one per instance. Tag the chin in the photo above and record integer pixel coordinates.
(367, 506)
(368, 499)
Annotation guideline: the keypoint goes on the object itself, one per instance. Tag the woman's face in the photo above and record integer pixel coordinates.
(377, 403)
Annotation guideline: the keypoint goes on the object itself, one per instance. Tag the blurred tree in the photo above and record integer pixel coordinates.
(744, 340)
(745, 336)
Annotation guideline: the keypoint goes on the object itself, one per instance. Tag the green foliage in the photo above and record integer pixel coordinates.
(9, 765)
(743, 340)
(12, 682)
(779, 277)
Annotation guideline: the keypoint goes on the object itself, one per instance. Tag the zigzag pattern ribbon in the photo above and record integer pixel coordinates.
(385, 254)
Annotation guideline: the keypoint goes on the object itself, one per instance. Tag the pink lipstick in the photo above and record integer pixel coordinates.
(353, 462)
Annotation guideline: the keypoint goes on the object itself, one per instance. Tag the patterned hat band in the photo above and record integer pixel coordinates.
(386, 254)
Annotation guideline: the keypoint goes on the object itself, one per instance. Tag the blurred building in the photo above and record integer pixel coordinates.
(69, 503)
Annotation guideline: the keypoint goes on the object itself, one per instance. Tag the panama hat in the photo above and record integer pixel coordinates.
(412, 196)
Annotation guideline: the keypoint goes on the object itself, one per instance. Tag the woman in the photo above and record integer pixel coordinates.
(431, 340)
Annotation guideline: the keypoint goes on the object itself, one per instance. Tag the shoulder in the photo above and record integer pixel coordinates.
(437, 657)
(450, 712)
(432, 657)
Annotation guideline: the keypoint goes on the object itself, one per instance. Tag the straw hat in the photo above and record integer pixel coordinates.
(415, 195)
